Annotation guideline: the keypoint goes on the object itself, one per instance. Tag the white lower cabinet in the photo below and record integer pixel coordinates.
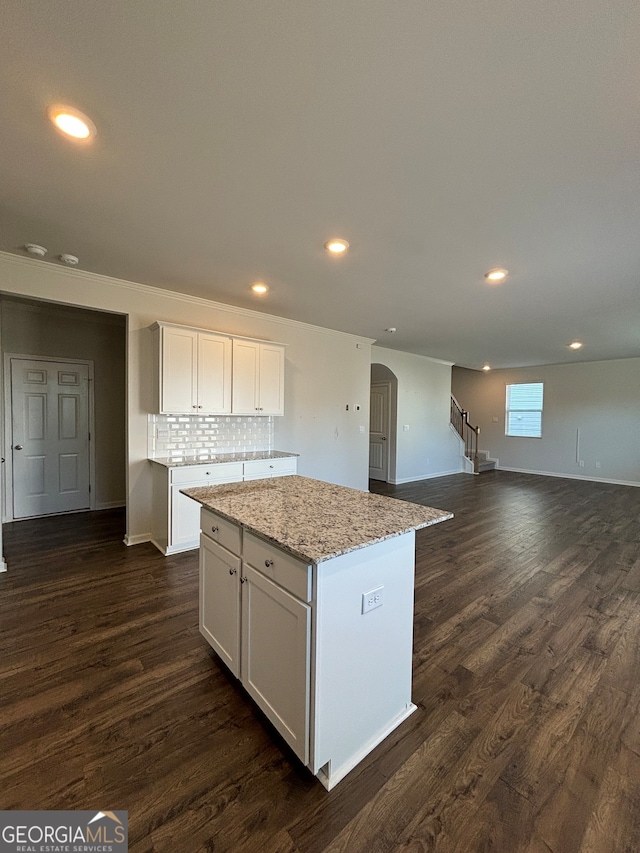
(259, 629)
(220, 601)
(176, 518)
(275, 654)
(333, 678)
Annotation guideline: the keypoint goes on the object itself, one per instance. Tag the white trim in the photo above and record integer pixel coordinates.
(426, 477)
(413, 354)
(137, 539)
(330, 780)
(8, 428)
(110, 504)
(570, 476)
(149, 290)
(3, 566)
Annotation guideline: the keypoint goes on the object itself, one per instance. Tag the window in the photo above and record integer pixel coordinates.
(524, 409)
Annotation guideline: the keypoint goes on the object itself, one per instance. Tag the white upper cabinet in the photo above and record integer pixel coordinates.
(258, 378)
(208, 373)
(194, 371)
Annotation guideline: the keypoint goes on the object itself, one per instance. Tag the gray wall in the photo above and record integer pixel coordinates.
(324, 371)
(601, 399)
(429, 448)
(30, 328)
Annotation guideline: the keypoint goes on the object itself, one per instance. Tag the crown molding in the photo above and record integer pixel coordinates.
(150, 290)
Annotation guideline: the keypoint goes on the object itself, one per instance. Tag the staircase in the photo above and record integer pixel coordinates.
(478, 459)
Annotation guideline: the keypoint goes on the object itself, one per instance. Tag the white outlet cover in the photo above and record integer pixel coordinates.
(372, 599)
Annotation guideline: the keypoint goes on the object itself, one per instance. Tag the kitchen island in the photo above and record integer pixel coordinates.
(306, 594)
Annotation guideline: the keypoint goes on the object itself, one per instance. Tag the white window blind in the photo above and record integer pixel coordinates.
(524, 409)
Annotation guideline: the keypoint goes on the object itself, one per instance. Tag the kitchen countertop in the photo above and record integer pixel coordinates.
(314, 520)
(215, 458)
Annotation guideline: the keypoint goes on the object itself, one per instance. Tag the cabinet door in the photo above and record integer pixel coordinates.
(220, 601)
(246, 372)
(214, 374)
(178, 391)
(276, 657)
(271, 380)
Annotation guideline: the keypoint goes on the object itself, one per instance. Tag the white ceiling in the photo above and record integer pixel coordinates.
(441, 138)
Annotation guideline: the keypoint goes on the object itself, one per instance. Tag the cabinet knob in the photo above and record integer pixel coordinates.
(199, 407)
(194, 406)
(214, 529)
(268, 563)
(242, 580)
(208, 473)
(270, 466)
(232, 571)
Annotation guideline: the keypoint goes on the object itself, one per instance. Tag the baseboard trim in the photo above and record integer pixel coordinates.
(426, 477)
(111, 504)
(138, 539)
(570, 476)
(3, 566)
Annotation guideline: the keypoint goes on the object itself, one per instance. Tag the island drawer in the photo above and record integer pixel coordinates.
(229, 471)
(221, 530)
(284, 569)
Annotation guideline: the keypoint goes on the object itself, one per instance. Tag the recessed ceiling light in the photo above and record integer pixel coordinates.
(496, 275)
(260, 288)
(486, 368)
(576, 345)
(336, 246)
(72, 122)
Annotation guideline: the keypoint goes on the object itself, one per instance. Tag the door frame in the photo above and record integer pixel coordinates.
(8, 428)
(387, 384)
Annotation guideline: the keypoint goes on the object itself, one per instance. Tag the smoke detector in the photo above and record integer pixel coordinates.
(70, 260)
(35, 250)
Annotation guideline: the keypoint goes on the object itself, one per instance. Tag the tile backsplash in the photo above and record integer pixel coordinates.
(185, 436)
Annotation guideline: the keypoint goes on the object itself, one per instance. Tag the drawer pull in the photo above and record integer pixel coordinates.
(208, 473)
(242, 580)
(214, 529)
(232, 571)
(268, 563)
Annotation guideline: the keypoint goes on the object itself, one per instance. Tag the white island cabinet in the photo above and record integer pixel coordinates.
(306, 594)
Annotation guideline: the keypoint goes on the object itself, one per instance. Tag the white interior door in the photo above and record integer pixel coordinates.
(50, 437)
(379, 431)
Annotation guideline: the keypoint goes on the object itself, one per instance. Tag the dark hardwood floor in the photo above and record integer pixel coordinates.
(526, 676)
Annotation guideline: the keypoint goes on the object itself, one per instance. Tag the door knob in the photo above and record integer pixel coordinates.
(18, 447)
(384, 438)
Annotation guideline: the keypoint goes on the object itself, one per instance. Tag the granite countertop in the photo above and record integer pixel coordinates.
(249, 456)
(314, 520)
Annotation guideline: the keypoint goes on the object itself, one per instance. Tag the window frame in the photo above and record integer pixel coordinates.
(509, 410)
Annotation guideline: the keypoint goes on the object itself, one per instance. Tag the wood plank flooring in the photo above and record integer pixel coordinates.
(526, 677)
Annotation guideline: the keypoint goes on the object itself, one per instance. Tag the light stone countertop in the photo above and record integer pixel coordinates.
(214, 458)
(314, 520)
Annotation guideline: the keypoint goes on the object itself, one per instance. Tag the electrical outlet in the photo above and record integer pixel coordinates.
(581, 463)
(405, 427)
(361, 427)
(372, 599)
(598, 465)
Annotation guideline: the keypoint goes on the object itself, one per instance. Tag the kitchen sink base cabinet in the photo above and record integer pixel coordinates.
(332, 676)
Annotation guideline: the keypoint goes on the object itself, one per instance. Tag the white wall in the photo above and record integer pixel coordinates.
(42, 329)
(324, 371)
(601, 399)
(429, 448)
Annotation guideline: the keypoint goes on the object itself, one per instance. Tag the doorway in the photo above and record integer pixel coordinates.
(382, 425)
(51, 405)
(60, 336)
(379, 431)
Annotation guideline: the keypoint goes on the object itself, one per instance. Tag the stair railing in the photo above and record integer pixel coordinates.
(467, 432)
